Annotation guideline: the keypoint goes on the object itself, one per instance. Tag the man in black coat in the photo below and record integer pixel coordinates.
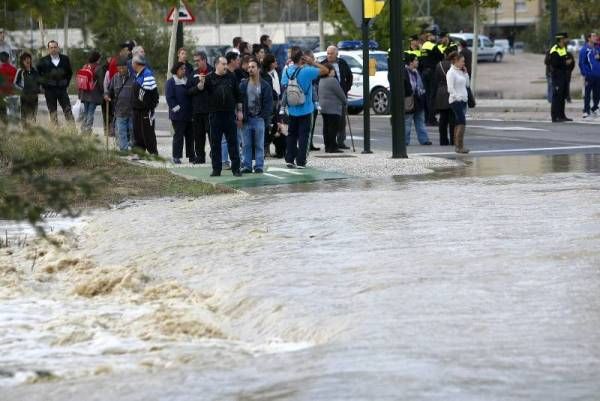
(200, 104)
(55, 75)
(345, 77)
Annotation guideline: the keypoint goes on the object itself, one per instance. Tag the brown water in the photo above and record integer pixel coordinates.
(463, 288)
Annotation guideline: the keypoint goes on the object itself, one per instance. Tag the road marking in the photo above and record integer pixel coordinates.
(283, 170)
(492, 128)
(274, 176)
(513, 150)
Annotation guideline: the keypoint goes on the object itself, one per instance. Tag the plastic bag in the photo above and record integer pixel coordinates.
(77, 110)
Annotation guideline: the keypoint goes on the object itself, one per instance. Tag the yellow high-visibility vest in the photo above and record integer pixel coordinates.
(562, 51)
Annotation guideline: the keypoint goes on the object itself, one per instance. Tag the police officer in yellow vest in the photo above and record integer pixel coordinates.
(430, 56)
(560, 65)
(414, 46)
(445, 45)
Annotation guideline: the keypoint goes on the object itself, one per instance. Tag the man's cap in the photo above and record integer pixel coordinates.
(561, 35)
(414, 37)
(452, 47)
(122, 62)
(139, 59)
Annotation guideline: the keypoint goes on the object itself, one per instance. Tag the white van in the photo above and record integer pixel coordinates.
(487, 51)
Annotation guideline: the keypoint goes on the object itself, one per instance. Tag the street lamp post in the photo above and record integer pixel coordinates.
(397, 82)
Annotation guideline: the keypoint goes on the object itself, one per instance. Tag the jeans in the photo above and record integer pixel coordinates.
(222, 124)
(297, 139)
(88, 117)
(419, 119)
(549, 90)
(459, 109)
(124, 127)
(254, 133)
(592, 93)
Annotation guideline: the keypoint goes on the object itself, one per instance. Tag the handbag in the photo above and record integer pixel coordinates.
(471, 99)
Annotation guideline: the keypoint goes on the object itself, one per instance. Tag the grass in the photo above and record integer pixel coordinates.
(45, 171)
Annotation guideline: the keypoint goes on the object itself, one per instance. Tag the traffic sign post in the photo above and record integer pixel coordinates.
(185, 15)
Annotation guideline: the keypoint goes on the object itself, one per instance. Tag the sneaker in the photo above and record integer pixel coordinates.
(226, 166)
(595, 113)
(134, 157)
(176, 160)
(314, 148)
(290, 165)
(299, 166)
(586, 115)
(567, 119)
(237, 174)
(215, 173)
(258, 171)
(427, 143)
(246, 171)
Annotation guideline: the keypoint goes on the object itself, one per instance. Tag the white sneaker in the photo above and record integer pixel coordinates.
(595, 114)
(586, 115)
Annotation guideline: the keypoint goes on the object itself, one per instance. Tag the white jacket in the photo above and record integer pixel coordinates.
(458, 82)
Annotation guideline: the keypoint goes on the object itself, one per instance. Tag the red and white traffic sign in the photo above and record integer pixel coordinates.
(185, 15)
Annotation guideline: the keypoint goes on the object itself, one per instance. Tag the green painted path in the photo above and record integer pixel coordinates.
(272, 176)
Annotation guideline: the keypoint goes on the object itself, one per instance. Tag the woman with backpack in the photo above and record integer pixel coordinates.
(90, 81)
(27, 81)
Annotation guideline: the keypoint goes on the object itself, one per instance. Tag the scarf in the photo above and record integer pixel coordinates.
(416, 82)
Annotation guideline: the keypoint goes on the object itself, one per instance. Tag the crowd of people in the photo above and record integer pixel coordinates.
(436, 82)
(247, 105)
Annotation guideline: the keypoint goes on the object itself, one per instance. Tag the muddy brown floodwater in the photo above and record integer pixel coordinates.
(455, 287)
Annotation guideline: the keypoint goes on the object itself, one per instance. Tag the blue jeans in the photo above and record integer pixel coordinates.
(419, 120)
(89, 109)
(254, 134)
(124, 127)
(549, 90)
(225, 150)
(592, 93)
(460, 110)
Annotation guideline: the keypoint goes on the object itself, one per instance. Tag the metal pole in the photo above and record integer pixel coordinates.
(321, 30)
(397, 82)
(366, 88)
(475, 46)
(553, 20)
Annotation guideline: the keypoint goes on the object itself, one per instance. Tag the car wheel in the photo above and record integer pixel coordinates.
(380, 101)
(498, 58)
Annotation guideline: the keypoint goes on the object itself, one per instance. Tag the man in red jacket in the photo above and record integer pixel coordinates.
(7, 77)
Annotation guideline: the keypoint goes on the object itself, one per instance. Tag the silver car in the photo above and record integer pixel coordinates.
(486, 51)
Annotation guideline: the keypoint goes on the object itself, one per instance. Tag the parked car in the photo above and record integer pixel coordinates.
(575, 45)
(379, 87)
(486, 51)
(503, 44)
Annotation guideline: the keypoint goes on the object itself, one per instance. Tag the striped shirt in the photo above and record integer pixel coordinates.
(146, 80)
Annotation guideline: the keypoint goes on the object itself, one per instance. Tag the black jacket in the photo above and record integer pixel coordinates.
(55, 77)
(346, 78)
(266, 99)
(28, 83)
(200, 99)
(223, 91)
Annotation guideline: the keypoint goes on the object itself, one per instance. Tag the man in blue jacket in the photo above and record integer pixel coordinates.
(257, 103)
(589, 65)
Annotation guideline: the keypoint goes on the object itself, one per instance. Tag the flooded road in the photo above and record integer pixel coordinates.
(464, 285)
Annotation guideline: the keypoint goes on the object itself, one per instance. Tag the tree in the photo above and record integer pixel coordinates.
(476, 5)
